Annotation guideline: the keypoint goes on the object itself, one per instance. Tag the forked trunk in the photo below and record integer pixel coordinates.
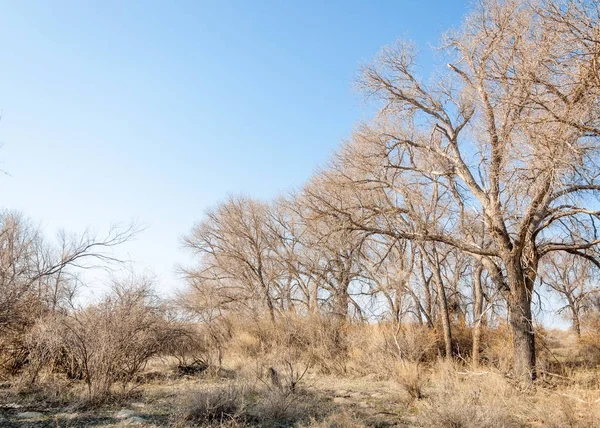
(434, 265)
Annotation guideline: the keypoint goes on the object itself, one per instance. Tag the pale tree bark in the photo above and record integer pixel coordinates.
(477, 314)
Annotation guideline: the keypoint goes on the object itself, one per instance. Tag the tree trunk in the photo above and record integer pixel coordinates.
(270, 307)
(313, 300)
(434, 265)
(477, 315)
(340, 304)
(576, 323)
(267, 295)
(445, 318)
(443, 304)
(521, 322)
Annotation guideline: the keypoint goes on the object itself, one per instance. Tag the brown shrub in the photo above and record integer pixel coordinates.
(412, 378)
(497, 349)
(336, 420)
(589, 343)
(317, 341)
(458, 400)
(188, 345)
(215, 406)
(377, 349)
(242, 404)
(105, 343)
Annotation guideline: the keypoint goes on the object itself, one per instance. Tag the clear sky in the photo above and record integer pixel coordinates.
(115, 111)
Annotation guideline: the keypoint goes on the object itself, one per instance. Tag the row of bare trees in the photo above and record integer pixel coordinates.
(465, 196)
(284, 257)
(464, 193)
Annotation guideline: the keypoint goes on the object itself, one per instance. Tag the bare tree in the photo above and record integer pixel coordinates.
(389, 268)
(237, 253)
(504, 144)
(572, 277)
(291, 241)
(333, 255)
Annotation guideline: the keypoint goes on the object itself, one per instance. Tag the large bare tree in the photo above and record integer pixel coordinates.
(496, 155)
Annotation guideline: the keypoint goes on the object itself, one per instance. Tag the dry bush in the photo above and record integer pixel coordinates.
(246, 343)
(48, 351)
(242, 404)
(14, 353)
(377, 349)
(336, 420)
(462, 341)
(278, 408)
(24, 279)
(459, 399)
(317, 341)
(205, 307)
(370, 351)
(497, 349)
(466, 410)
(412, 377)
(323, 340)
(223, 405)
(589, 343)
(105, 343)
(330, 345)
(37, 280)
(413, 342)
(282, 353)
(565, 409)
(189, 346)
(548, 360)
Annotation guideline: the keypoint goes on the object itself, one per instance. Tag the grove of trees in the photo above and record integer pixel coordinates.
(470, 196)
(453, 202)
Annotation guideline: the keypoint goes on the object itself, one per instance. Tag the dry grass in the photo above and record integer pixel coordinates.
(412, 378)
(290, 374)
(223, 405)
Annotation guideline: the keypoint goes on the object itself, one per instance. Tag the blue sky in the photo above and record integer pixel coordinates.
(115, 111)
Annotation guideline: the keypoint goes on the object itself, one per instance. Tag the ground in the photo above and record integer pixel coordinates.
(440, 393)
(374, 402)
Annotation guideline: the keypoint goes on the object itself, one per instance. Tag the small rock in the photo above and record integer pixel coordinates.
(125, 413)
(29, 415)
(134, 420)
(138, 405)
(339, 400)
